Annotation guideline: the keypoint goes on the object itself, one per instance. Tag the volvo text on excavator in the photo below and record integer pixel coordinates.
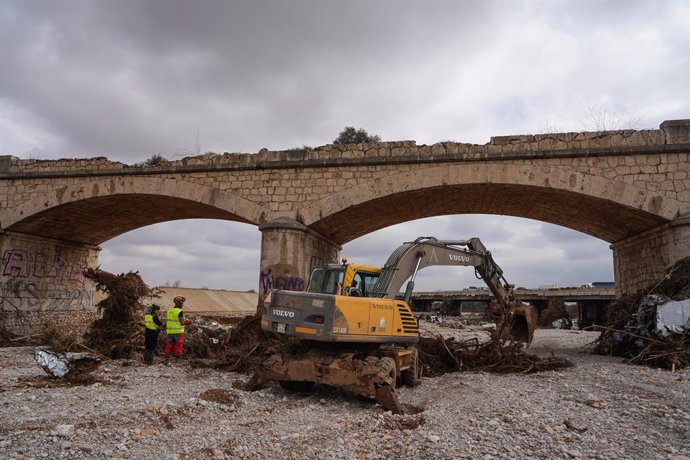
(361, 330)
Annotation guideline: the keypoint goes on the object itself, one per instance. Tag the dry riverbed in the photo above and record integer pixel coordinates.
(601, 408)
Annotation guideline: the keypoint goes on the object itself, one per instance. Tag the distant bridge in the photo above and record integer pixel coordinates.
(592, 301)
(566, 294)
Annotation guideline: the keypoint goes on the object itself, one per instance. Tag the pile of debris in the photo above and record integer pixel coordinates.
(244, 346)
(556, 315)
(241, 348)
(651, 327)
(73, 367)
(118, 333)
(440, 355)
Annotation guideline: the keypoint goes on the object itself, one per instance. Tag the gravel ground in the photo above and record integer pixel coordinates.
(599, 409)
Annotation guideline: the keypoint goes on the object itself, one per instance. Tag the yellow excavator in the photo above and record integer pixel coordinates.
(360, 333)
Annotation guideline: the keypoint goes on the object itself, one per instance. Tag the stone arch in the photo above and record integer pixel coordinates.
(607, 209)
(96, 211)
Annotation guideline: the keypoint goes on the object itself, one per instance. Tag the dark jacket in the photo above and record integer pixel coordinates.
(151, 335)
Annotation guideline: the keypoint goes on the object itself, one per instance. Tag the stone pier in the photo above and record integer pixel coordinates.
(289, 252)
(643, 259)
(42, 282)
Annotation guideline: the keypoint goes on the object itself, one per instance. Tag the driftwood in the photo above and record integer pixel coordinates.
(439, 355)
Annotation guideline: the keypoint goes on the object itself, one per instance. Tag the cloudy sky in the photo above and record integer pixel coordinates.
(130, 79)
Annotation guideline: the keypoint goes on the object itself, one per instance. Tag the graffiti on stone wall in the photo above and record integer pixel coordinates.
(38, 282)
(19, 263)
(28, 296)
(269, 281)
(317, 262)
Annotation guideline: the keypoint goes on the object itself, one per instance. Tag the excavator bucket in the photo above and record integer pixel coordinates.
(522, 321)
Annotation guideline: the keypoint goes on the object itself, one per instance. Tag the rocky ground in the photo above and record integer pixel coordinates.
(601, 408)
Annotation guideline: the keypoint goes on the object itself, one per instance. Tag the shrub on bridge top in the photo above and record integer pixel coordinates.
(350, 135)
(155, 160)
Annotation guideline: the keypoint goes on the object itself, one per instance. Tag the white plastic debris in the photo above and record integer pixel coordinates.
(64, 431)
(51, 362)
(673, 317)
(561, 323)
(59, 364)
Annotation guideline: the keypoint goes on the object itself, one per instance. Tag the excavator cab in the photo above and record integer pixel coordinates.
(344, 279)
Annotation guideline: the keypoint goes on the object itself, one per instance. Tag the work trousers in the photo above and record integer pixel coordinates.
(175, 342)
(150, 343)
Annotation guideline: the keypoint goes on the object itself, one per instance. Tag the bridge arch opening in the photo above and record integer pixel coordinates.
(97, 211)
(532, 253)
(194, 253)
(606, 209)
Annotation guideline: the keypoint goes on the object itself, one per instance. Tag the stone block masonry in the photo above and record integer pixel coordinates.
(627, 187)
(41, 281)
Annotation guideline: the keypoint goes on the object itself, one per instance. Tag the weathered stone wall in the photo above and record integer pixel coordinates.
(654, 160)
(644, 259)
(552, 144)
(70, 322)
(41, 281)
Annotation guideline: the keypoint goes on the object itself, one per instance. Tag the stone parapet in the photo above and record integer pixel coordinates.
(677, 131)
(672, 137)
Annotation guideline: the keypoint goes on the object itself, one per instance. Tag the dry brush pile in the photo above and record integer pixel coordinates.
(118, 332)
(625, 336)
(440, 355)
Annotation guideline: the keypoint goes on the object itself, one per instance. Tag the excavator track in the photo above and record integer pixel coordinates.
(370, 376)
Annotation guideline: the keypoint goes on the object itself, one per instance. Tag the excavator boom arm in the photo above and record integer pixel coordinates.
(411, 257)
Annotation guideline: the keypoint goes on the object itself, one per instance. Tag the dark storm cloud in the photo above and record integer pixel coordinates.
(127, 79)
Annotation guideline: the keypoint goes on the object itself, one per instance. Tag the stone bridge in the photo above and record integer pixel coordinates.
(630, 188)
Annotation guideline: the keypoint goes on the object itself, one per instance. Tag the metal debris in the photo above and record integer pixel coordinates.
(70, 366)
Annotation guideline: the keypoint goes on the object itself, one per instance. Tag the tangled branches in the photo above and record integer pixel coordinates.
(119, 327)
(439, 355)
(631, 332)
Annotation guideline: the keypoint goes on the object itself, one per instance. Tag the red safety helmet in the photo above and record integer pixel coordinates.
(179, 300)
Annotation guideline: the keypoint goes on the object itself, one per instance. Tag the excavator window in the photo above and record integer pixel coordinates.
(330, 281)
(325, 281)
(366, 282)
(355, 291)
